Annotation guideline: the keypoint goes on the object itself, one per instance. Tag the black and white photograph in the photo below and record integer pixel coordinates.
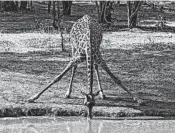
(87, 66)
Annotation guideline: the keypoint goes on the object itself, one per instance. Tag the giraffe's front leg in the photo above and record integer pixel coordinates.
(67, 95)
(72, 63)
(117, 81)
(99, 83)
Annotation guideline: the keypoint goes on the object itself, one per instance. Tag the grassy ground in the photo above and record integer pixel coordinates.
(144, 61)
(145, 65)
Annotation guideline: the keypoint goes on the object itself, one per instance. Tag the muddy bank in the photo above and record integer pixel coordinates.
(50, 109)
(16, 110)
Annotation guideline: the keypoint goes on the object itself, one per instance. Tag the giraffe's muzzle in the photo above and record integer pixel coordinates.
(89, 102)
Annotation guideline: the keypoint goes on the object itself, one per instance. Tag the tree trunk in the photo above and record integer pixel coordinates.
(67, 7)
(0, 6)
(133, 22)
(104, 9)
(23, 5)
(118, 3)
(17, 4)
(54, 16)
(49, 6)
(133, 8)
(153, 6)
(98, 10)
(108, 10)
(161, 9)
(59, 26)
(129, 12)
(31, 5)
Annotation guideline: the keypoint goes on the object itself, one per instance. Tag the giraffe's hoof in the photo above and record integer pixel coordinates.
(30, 100)
(102, 95)
(141, 102)
(67, 96)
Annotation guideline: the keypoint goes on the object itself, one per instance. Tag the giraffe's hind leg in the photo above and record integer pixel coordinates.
(72, 63)
(67, 95)
(117, 81)
(99, 83)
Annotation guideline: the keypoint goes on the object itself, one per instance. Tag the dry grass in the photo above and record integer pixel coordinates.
(134, 39)
(144, 61)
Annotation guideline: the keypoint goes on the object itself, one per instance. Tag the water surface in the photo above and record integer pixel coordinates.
(82, 125)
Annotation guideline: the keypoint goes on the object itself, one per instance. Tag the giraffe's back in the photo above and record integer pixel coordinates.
(86, 32)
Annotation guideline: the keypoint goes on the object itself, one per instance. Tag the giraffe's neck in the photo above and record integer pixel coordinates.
(90, 64)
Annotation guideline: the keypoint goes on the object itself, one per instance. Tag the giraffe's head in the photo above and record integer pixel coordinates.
(89, 102)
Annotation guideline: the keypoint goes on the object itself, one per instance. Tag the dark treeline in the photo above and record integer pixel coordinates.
(104, 9)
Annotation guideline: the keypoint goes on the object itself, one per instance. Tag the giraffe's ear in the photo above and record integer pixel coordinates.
(96, 94)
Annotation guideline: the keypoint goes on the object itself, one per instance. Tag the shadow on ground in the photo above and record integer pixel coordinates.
(147, 71)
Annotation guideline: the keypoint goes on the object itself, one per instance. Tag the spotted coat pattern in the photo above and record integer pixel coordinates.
(86, 37)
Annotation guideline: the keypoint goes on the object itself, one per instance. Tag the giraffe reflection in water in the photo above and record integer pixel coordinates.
(91, 127)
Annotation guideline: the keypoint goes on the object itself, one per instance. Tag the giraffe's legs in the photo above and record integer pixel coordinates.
(71, 81)
(117, 81)
(99, 84)
(72, 63)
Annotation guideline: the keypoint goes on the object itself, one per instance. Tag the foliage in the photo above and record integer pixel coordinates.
(8, 6)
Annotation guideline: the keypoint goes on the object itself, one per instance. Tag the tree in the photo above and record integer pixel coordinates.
(118, 3)
(31, 5)
(153, 5)
(104, 9)
(133, 8)
(67, 7)
(23, 5)
(58, 22)
(0, 6)
(49, 6)
(17, 4)
(54, 16)
(108, 14)
(59, 26)
(8, 6)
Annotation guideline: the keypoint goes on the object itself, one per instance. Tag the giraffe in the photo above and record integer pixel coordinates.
(86, 37)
